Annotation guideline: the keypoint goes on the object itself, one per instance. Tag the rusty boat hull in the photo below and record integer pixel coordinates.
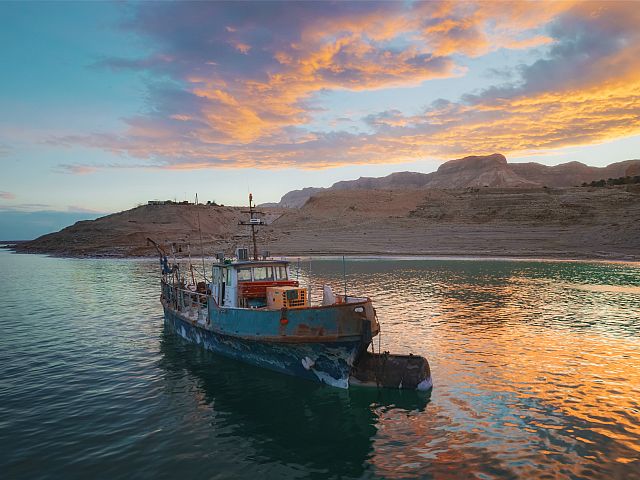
(320, 343)
(328, 362)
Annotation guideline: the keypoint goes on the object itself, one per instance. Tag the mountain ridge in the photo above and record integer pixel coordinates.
(475, 171)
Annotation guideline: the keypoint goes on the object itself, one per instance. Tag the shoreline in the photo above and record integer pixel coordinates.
(365, 256)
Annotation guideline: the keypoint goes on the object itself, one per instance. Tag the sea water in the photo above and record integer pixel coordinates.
(536, 366)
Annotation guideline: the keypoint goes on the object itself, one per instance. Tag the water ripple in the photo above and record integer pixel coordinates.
(536, 367)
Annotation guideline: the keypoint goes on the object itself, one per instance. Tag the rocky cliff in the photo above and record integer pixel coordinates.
(476, 171)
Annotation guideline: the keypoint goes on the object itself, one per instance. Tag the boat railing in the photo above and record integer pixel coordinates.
(189, 302)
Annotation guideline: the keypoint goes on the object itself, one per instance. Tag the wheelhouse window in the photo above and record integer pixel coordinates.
(281, 272)
(244, 274)
(262, 273)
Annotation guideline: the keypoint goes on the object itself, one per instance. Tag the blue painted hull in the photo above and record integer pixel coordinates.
(327, 362)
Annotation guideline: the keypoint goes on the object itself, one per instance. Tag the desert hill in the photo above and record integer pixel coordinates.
(476, 171)
(295, 198)
(487, 171)
(397, 180)
(539, 222)
(573, 173)
(125, 233)
(478, 205)
(578, 222)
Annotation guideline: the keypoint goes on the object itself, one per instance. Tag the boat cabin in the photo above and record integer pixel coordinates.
(256, 284)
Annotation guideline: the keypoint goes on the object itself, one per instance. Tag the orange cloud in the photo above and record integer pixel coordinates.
(249, 105)
(352, 51)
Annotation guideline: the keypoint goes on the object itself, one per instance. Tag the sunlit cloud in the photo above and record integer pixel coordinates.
(7, 196)
(245, 81)
(86, 169)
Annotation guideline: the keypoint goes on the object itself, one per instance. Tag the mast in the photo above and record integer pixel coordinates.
(253, 223)
(204, 270)
(253, 228)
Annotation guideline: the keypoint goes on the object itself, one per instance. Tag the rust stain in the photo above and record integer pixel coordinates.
(303, 330)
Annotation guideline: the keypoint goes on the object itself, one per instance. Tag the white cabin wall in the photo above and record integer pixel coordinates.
(231, 290)
(214, 285)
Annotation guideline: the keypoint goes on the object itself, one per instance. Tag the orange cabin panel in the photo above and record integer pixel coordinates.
(259, 289)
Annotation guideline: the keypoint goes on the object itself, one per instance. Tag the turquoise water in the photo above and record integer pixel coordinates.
(536, 368)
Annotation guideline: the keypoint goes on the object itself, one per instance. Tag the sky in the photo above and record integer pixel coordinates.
(104, 106)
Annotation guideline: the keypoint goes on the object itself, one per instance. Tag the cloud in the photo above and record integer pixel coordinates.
(4, 150)
(26, 207)
(585, 90)
(80, 209)
(85, 169)
(76, 169)
(7, 196)
(29, 223)
(43, 207)
(240, 83)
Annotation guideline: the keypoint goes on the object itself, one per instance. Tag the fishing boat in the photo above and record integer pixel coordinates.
(253, 310)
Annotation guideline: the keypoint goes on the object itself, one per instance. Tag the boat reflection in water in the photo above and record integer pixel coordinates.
(274, 424)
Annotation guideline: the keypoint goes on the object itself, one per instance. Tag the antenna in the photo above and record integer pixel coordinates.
(253, 223)
(204, 270)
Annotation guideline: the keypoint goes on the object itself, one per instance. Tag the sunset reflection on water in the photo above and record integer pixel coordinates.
(536, 366)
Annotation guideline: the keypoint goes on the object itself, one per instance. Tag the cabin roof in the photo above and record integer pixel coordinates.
(252, 263)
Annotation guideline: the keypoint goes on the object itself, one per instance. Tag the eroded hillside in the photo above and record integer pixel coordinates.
(573, 223)
(535, 222)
